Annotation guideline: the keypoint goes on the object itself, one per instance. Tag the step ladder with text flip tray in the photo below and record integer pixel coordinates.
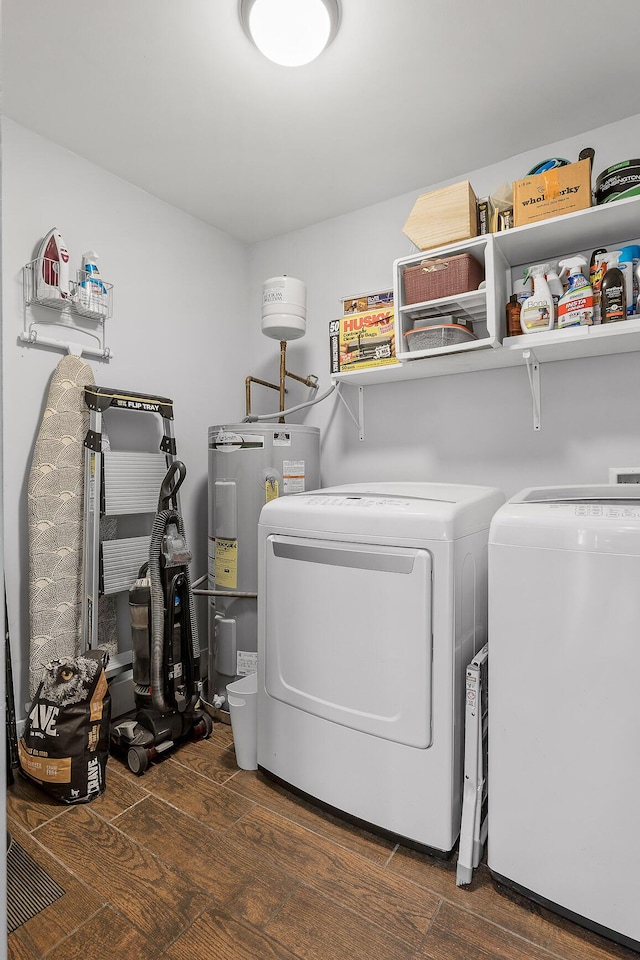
(119, 484)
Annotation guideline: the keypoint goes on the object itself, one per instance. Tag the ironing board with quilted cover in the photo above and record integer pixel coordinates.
(56, 519)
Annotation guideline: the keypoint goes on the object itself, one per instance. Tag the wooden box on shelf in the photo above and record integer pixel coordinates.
(443, 216)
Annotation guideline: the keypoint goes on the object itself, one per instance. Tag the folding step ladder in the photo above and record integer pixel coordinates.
(473, 830)
(117, 484)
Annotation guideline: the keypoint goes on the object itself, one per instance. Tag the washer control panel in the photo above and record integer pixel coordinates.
(614, 511)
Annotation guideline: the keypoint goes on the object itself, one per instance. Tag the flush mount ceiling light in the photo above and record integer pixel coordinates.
(290, 32)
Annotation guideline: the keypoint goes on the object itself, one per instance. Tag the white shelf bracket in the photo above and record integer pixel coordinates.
(533, 373)
(359, 420)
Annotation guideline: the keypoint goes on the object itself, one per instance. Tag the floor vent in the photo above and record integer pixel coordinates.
(29, 888)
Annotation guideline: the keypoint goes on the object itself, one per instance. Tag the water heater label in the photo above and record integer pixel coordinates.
(226, 563)
(228, 441)
(293, 476)
(246, 663)
(282, 438)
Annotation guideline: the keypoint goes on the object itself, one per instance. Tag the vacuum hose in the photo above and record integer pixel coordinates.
(156, 667)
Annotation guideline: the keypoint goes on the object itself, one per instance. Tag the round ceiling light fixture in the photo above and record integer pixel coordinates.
(290, 32)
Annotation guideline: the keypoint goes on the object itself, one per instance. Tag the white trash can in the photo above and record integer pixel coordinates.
(242, 697)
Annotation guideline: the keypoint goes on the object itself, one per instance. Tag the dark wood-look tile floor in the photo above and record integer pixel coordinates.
(197, 859)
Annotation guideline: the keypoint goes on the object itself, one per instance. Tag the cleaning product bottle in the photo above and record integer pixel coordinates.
(636, 277)
(627, 262)
(596, 273)
(613, 303)
(555, 286)
(92, 293)
(52, 281)
(537, 310)
(523, 289)
(576, 305)
(513, 317)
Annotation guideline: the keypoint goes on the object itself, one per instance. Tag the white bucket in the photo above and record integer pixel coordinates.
(242, 697)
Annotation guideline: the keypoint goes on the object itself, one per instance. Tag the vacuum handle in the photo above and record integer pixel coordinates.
(170, 485)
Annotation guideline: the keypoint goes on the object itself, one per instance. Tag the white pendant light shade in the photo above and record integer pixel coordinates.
(290, 32)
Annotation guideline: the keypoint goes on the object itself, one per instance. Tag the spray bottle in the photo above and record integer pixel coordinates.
(627, 262)
(537, 310)
(597, 267)
(522, 289)
(576, 305)
(556, 288)
(92, 293)
(613, 303)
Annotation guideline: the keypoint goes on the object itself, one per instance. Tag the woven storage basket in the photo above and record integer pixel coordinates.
(446, 277)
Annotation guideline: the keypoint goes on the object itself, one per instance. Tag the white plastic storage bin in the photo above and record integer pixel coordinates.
(482, 309)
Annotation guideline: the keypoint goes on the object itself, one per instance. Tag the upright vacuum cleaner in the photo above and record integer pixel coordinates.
(166, 651)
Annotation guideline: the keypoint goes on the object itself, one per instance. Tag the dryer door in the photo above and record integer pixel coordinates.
(348, 634)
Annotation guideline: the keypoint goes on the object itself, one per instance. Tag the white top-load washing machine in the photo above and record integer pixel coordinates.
(564, 711)
(372, 600)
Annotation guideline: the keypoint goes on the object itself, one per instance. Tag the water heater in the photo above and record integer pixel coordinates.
(250, 464)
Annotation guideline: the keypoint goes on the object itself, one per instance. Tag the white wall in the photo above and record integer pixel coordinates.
(474, 427)
(178, 329)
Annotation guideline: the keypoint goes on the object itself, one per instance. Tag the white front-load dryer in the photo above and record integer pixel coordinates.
(372, 599)
(564, 712)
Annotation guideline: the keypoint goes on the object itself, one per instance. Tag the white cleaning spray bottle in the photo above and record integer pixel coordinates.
(537, 310)
(575, 307)
(92, 293)
(555, 286)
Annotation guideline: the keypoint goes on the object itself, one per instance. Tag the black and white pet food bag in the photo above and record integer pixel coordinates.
(65, 745)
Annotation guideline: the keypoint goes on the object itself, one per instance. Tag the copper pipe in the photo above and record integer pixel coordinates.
(308, 381)
(283, 373)
(263, 383)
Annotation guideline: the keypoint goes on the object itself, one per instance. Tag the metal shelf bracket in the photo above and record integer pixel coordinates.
(359, 420)
(533, 373)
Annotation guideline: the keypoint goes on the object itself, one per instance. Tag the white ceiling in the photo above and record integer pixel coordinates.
(171, 96)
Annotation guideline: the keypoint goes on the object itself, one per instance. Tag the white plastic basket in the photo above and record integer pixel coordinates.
(438, 335)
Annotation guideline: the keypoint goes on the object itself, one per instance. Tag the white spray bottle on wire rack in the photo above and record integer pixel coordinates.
(92, 293)
(537, 310)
